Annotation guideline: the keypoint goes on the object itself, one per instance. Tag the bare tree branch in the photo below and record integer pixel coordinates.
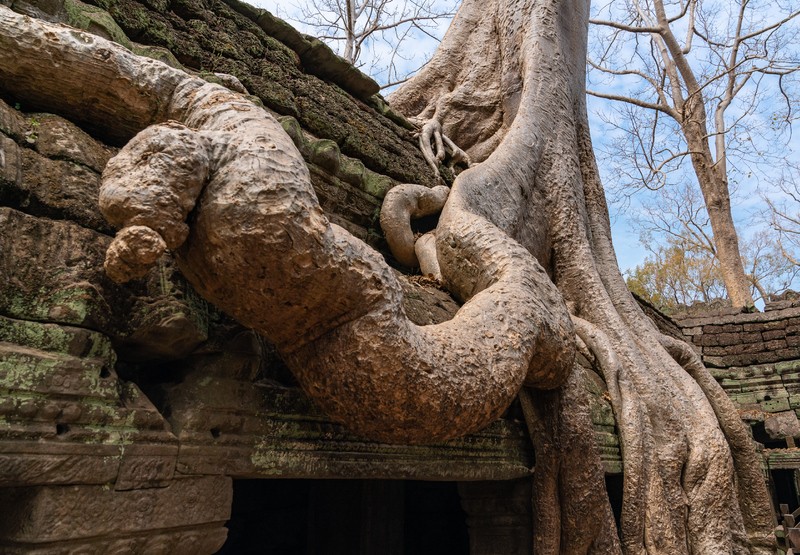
(712, 82)
(357, 26)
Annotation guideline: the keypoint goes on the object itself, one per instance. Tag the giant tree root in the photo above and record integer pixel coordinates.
(516, 104)
(260, 248)
(570, 513)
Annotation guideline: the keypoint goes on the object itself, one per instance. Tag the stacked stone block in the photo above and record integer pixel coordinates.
(756, 359)
(745, 339)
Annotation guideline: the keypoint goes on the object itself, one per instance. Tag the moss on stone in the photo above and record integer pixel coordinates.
(325, 154)
(352, 171)
(216, 36)
(96, 21)
(376, 184)
(293, 129)
(157, 53)
(62, 339)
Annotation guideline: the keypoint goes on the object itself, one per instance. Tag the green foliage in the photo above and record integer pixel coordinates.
(681, 272)
(677, 274)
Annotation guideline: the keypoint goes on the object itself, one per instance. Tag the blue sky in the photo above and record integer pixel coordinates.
(746, 199)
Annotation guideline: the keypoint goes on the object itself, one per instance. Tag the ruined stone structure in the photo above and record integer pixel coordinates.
(139, 418)
(756, 358)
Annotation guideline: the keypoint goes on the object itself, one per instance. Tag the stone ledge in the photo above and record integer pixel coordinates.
(40, 518)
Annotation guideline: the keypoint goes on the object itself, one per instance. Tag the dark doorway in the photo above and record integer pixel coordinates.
(614, 485)
(346, 517)
(784, 488)
(434, 519)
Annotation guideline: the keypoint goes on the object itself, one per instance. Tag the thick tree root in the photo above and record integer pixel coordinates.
(261, 249)
(401, 204)
(647, 469)
(425, 249)
(436, 146)
(569, 517)
(756, 506)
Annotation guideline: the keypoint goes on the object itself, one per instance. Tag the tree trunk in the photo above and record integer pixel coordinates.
(711, 175)
(682, 491)
(714, 185)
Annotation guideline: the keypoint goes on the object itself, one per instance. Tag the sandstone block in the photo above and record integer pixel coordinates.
(42, 514)
(781, 425)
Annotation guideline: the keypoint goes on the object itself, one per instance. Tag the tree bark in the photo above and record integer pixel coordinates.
(260, 248)
(540, 185)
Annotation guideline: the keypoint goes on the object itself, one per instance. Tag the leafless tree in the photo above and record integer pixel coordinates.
(697, 81)
(381, 27)
(676, 230)
(782, 213)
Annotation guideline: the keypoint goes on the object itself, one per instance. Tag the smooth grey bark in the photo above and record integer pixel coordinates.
(507, 85)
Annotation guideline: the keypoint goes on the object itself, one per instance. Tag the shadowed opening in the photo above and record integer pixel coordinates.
(321, 517)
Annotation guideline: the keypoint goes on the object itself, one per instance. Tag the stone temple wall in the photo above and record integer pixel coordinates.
(756, 359)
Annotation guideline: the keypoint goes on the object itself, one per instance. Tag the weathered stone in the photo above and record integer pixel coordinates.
(769, 335)
(66, 417)
(33, 462)
(59, 139)
(325, 154)
(225, 37)
(293, 129)
(49, 10)
(353, 172)
(12, 122)
(194, 541)
(25, 370)
(377, 185)
(59, 189)
(776, 405)
(168, 323)
(52, 271)
(36, 516)
(706, 339)
(775, 345)
(316, 56)
(781, 425)
(96, 21)
(722, 328)
(792, 316)
(157, 53)
(340, 198)
(78, 342)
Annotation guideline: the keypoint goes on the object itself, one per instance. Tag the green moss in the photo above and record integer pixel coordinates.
(295, 132)
(22, 372)
(352, 171)
(380, 105)
(157, 53)
(95, 20)
(376, 184)
(325, 154)
(231, 38)
(62, 339)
